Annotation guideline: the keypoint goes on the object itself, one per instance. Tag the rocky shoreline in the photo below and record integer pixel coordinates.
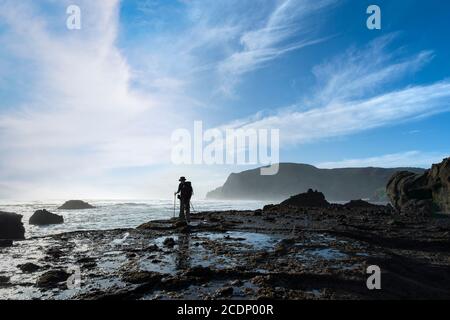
(280, 252)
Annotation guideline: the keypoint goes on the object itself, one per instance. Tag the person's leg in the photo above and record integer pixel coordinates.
(182, 217)
(188, 210)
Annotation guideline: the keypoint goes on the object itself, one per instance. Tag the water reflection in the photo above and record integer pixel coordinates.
(183, 253)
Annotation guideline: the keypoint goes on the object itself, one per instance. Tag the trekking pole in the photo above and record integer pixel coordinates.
(193, 210)
(174, 204)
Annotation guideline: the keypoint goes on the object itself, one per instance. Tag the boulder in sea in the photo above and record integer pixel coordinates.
(311, 199)
(76, 205)
(11, 226)
(421, 194)
(44, 217)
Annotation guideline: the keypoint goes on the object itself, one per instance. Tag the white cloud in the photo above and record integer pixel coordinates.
(288, 27)
(83, 117)
(349, 117)
(404, 159)
(89, 110)
(351, 97)
(228, 39)
(363, 73)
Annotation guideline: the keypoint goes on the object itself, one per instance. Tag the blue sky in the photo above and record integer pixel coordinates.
(89, 113)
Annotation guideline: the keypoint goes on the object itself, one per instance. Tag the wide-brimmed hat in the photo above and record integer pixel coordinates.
(182, 179)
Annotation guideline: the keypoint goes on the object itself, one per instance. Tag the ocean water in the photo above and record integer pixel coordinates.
(113, 214)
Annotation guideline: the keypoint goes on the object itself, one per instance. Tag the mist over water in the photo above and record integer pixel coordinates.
(113, 214)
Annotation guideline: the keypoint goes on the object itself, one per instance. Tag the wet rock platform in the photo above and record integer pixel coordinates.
(289, 253)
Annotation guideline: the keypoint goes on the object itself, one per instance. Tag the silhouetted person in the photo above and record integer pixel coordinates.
(185, 192)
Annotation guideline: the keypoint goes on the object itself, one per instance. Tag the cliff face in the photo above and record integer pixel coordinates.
(336, 184)
(421, 194)
(439, 181)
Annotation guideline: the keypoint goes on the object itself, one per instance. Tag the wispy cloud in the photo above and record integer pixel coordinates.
(416, 159)
(352, 96)
(82, 107)
(227, 39)
(83, 117)
(288, 27)
(359, 73)
(85, 107)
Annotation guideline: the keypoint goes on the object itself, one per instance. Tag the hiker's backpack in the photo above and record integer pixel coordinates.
(187, 190)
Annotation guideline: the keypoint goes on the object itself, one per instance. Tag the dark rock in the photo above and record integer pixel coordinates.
(184, 229)
(11, 226)
(308, 199)
(214, 219)
(4, 280)
(259, 280)
(55, 252)
(86, 260)
(44, 217)
(230, 238)
(288, 241)
(6, 243)
(139, 277)
(152, 248)
(155, 225)
(76, 205)
(237, 283)
(393, 222)
(199, 271)
(52, 278)
(90, 265)
(419, 208)
(180, 224)
(261, 257)
(169, 242)
(281, 248)
(439, 183)
(284, 245)
(421, 194)
(361, 204)
(268, 207)
(28, 267)
(258, 213)
(400, 187)
(225, 292)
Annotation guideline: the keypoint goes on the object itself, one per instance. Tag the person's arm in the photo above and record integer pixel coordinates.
(179, 189)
